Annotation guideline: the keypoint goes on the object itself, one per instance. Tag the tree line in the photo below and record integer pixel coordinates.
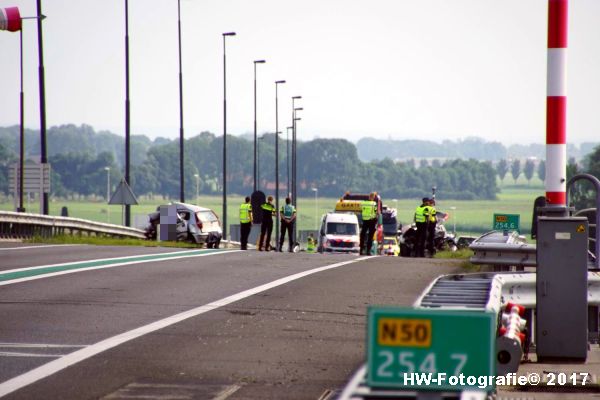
(79, 158)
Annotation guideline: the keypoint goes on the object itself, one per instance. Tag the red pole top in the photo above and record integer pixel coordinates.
(10, 19)
(557, 23)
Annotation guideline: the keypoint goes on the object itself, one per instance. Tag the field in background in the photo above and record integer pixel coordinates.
(470, 217)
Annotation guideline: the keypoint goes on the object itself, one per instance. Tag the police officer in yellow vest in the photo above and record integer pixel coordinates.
(266, 227)
(369, 223)
(311, 243)
(288, 218)
(245, 223)
(431, 220)
(421, 222)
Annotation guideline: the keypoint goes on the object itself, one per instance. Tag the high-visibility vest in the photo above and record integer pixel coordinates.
(311, 245)
(368, 210)
(245, 210)
(268, 207)
(288, 210)
(420, 214)
(431, 212)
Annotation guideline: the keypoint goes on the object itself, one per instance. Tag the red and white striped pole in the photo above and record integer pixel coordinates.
(10, 19)
(556, 104)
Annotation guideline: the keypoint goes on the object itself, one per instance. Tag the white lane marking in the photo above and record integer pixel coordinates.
(228, 391)
(39, 346)
(97, 260)
(45, 246)
(73, 358)
(358, 377)
(83, 269)
(18, 354)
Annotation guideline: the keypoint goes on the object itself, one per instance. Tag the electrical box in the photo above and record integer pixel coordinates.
(561, 289)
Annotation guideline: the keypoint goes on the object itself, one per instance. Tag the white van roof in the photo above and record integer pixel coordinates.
(349, 217)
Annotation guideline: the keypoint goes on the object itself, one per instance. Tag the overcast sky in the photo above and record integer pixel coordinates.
(402, 69)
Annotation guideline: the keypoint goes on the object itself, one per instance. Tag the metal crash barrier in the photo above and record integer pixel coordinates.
(487, 291)
(15, 225)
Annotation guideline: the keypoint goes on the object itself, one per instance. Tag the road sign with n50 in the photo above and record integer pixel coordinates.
(506, 222)
(411, 348)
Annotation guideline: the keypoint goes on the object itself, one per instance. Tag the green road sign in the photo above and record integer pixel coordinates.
(506, 222)
(430, 349)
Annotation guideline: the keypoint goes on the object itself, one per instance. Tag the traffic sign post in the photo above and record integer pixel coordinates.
(506, 222)
(430, 349)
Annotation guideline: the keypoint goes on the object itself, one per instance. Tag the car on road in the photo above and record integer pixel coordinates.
(339, 233)
(390, 246)
(194, 224)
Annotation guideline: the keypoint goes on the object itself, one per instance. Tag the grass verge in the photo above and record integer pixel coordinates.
(464, 254)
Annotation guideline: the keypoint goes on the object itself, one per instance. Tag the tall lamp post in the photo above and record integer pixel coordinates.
(287, 158)
(127, 111)
(225, 35)
(294, 154)
(260, 139)
(316, 190)
(107, 169)
(255, 176)
(294, 199)
(13, 23)
(42, 88)
(277, 83)
(181, 137)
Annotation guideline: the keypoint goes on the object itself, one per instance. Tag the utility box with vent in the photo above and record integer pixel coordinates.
(561, 289)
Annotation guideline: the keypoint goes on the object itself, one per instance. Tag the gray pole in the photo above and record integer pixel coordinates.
(255, 176)
(21, 129)
(181, 137)
(277, 166)
(225, 136)
(42, 85)
(127, 110)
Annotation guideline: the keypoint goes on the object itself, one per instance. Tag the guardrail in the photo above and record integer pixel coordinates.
(479, 291)
(15, 225)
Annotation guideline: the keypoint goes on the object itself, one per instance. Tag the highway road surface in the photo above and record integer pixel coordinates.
(86, 322)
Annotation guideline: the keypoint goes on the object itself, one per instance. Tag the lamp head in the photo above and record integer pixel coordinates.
(229, 34)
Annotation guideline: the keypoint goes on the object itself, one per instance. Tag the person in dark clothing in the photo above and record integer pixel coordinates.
(421, 215)
(245, 223)
(369, 224)
(430, 215)
(266, 228)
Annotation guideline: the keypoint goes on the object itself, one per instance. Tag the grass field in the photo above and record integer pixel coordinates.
(470, 217)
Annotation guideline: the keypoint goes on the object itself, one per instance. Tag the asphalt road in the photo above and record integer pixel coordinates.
(74, 336)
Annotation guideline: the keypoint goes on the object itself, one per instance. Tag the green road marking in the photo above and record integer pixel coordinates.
(28, 272)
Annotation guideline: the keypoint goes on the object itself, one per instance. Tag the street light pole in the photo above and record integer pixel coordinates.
(107, 169)
(127, 111)
(42, 88)
(294, 193)
(21, 208)
(287, 158)
(294, 158)
(255, 176)
(225, 136)
(22, 129)
(277, 83)
(181, 137)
